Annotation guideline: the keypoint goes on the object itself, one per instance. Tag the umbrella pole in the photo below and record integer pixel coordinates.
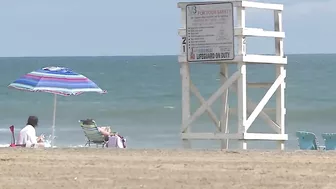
(54, 121)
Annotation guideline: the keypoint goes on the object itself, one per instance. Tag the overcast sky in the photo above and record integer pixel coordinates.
(147, 27)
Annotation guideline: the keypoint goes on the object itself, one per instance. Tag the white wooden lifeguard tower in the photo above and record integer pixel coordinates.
(208, 35)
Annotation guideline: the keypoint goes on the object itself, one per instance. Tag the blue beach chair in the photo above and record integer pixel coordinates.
(329, 140)
(308, 141)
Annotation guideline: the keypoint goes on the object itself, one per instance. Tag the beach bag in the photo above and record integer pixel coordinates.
(116, 141)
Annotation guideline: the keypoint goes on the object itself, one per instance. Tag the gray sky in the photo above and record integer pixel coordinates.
(148, 27)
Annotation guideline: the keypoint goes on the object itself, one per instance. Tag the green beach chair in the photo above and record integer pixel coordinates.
(329, 140)
(92, 134)
(308, 141)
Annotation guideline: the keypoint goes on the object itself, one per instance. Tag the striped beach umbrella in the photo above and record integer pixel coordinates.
(58, 81)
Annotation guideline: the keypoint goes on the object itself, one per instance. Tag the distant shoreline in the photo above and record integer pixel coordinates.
(121, 56)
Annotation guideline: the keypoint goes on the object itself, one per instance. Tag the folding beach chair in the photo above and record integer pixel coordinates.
(92, 134)
(329, 140)
(12, 144)
(308, 141)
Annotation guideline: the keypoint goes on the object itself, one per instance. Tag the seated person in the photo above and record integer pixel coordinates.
(118, 140)
(27, 136)
(105, 131)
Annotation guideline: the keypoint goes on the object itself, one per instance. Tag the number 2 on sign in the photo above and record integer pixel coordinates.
(184, 44)
(184, 40)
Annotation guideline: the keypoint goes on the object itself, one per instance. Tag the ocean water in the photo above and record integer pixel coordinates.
(144, 99)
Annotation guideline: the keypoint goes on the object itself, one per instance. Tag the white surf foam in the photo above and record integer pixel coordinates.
(168, 107)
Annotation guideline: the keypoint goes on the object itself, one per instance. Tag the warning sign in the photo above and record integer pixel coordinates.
(210, 32)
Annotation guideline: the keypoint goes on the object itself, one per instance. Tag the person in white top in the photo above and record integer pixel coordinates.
(27, 136)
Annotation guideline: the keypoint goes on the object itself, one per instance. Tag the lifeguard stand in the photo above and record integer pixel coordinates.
(208, 34)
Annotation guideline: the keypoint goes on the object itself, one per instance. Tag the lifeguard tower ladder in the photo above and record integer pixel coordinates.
(237, 81)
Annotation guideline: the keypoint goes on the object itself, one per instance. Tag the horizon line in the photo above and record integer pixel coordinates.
(88, 56)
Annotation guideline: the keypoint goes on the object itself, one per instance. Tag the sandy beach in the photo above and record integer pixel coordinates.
(106, 168)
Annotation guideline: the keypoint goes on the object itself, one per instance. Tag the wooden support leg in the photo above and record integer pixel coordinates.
(225, 108)
(280, 105)
(242, 102)
(280, 70)
(241, 84)
(185, 74)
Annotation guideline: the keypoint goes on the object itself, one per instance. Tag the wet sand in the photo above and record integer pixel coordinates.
(173, 169)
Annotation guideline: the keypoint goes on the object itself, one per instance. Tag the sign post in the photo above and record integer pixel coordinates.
(210, 32)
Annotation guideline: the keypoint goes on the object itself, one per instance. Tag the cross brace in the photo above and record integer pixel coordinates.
(254, 109)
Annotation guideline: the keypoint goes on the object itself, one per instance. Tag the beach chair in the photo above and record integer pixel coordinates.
(92, 134)
(308, 141)
(329, 141)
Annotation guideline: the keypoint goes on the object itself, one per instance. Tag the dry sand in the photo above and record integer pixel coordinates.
(106, 168)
